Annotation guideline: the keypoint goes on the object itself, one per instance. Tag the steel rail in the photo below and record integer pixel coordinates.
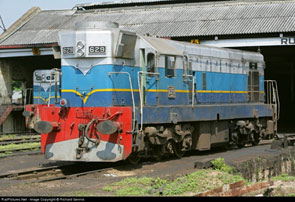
(52, 173)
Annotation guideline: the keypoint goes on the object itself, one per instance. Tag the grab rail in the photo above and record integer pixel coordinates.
(132, 95)
(30, 92)
(140, 86)
(193, 89)
(272, 95)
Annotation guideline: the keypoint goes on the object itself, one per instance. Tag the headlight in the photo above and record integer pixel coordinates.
(80, 49)
(80, 53)
(80, 45)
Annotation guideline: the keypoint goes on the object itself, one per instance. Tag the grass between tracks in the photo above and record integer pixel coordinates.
(27, 146)
(189, 184)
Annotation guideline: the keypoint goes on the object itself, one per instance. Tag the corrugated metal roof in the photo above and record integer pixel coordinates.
(119, 2)
(124, 3)
(195, 19)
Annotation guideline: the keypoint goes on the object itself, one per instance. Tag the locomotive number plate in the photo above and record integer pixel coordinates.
(68, 50)
(171, 92)
(97, 50)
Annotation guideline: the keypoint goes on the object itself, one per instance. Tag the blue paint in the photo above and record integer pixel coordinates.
(162, 114)
(40, 96)
(108, 87)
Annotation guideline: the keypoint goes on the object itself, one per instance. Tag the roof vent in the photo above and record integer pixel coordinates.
(96, 25)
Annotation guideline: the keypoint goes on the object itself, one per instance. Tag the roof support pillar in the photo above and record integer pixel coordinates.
(5, 82)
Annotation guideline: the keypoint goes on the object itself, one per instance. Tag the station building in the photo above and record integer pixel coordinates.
(266, 26)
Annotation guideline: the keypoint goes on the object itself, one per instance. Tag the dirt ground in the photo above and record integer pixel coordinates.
(92, 185)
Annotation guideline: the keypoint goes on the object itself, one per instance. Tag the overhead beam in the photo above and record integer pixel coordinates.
(7, 53)
(251, 42)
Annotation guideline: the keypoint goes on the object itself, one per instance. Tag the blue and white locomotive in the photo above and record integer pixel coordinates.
(125, 95)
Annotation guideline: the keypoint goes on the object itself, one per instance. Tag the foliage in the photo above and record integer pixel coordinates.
(16, 85)
(284, 177)
(199, 181)
(219, 164)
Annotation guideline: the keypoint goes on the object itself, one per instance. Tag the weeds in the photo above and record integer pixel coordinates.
(219, 164)
(196, 182)
(283, 177)
(19, 146)
(7, 149)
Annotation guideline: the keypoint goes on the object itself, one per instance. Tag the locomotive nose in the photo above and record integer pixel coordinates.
(44, 127)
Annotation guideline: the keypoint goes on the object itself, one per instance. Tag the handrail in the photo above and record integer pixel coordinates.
(54, 72)
(273, 95)
(132, 95)
(193, 89)
(49, 96)
(277, 97)
(26, 93)
(140, 86)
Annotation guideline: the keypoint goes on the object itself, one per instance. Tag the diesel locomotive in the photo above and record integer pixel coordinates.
(126, 96)
(45, 92)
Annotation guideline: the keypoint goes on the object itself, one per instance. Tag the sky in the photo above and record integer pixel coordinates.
(12, 10)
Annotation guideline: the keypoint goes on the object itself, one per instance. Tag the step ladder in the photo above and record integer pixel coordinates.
(5, 110)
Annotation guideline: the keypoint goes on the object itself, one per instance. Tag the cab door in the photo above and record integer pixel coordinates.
(189, 79)
(152, 78)
(149, 77)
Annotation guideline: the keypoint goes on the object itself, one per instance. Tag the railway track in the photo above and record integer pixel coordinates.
(20, 140)
(19, 144)
(71, 170)
(52, 173)
(66, 171)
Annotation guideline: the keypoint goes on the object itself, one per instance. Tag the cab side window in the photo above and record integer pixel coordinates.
(170, 66)
(151, 64)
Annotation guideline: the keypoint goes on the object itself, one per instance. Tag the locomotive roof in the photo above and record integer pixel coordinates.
(162, 46)
(172, 47)
(168, 20)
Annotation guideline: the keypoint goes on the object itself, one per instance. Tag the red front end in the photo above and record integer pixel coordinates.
(31, 114)
(86, 134)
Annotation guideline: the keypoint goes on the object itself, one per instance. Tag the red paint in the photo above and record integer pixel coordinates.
(68, 119)
(34, 111)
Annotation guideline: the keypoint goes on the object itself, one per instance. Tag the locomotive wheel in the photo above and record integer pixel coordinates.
(159, 152)
(177, 150)
(174, 148)
(255, 138)
(241, 144)
(134, 158)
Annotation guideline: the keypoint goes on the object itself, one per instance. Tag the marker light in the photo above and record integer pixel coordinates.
(63, 102)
